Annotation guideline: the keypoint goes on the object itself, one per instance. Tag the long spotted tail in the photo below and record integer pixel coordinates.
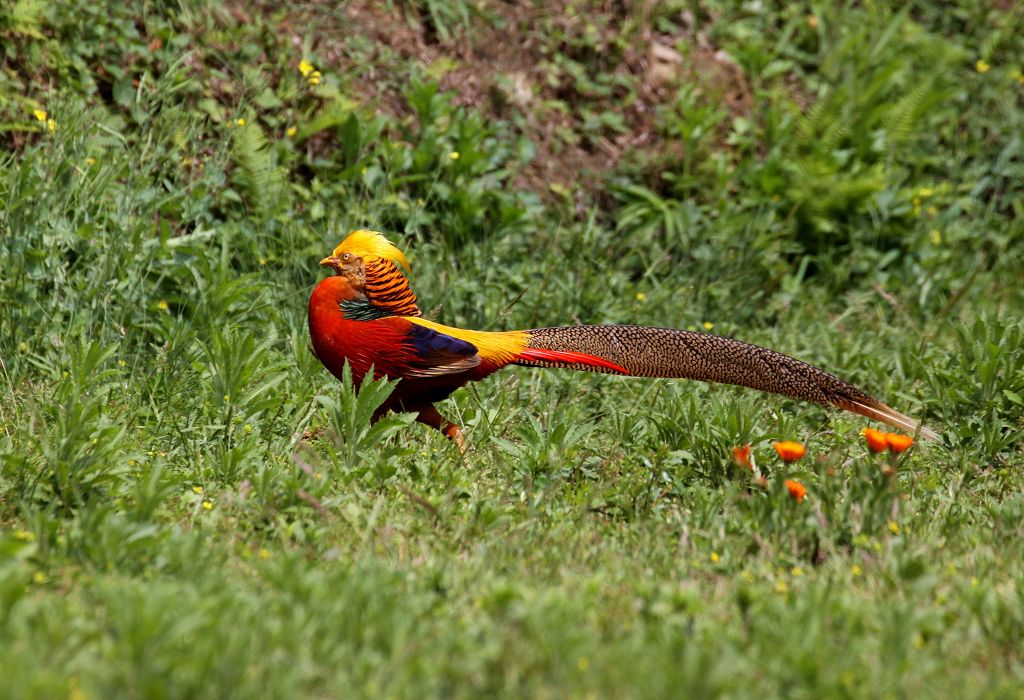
(668, 352)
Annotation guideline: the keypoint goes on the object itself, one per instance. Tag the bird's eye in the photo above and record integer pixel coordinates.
(346, 257)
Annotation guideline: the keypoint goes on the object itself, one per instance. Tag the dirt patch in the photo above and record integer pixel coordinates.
(586, 89)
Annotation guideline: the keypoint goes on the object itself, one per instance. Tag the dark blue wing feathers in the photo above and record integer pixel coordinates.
(440, 353)
(428, 342)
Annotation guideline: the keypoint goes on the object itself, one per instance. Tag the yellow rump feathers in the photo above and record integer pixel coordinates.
(495, 348)
(371, 244)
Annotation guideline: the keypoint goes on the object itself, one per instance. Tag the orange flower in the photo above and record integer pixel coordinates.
(789, 451)
(897, 442)
(741, 456)
(876, 439)
(797, 490)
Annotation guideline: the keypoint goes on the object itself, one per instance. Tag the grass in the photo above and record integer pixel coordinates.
(166, 530)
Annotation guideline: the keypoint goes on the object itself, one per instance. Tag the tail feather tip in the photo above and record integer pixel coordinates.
(896, 419)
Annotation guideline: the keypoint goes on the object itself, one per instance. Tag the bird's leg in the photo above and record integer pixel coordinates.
(428, 415)
(313, 434)
(454, 433)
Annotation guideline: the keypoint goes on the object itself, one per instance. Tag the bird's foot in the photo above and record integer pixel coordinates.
(428, 415)
(313, 434)
(454, 433)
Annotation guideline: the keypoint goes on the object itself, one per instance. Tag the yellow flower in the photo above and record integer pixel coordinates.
(855, 570)
(24, 535)
(240, 122)
(162, 305)
(781, 587)
(305, 67)
(314, 78)
(641, 297)
(51, 125)
(207, 505)
(39, 577)
(264, 553)
(197, 489)
(454, 155)
(982, 66)
(291, 131)
(708, 325)
(263, 262)
(925, 192)
(90, 161)
(40, 114)
(76, 693)
(715, 558)
(894, 527)
(797, 572)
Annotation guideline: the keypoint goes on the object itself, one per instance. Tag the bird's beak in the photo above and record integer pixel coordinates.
(329, 261)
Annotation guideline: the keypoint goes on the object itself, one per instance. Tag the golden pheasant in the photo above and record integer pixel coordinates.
(366, 314)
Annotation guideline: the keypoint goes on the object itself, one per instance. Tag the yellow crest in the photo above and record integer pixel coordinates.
(371, 244)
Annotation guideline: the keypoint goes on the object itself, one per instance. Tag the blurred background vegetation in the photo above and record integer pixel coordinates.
(843, 182)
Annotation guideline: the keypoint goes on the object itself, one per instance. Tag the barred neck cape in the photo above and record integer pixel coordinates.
(367, 316)
(388, 289)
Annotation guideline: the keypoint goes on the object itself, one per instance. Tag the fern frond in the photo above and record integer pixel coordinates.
(262, 181)
(25, 17)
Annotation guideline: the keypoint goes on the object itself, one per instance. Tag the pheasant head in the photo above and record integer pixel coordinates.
(374, 265)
